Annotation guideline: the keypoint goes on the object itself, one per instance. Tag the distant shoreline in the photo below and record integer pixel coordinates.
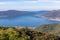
(56, 19)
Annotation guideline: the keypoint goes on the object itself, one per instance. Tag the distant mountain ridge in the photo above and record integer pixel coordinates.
(15, 13)
(12, 13)
(52, 15)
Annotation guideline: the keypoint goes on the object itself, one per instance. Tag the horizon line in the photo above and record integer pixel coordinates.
(29, 10)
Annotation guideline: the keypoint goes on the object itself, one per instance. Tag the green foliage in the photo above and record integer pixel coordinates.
(10, 33)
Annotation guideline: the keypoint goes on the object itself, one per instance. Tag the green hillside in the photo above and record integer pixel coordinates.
(53, 28)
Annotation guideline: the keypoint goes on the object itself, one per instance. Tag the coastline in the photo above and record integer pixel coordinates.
(55, 19)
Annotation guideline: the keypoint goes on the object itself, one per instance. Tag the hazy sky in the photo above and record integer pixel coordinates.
(30, 5)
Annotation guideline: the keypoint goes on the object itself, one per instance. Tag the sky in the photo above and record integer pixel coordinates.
(29, 5)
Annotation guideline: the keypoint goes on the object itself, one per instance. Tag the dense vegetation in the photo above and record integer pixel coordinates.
(12, 33)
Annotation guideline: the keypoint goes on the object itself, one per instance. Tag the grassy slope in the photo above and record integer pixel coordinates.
(54, 28)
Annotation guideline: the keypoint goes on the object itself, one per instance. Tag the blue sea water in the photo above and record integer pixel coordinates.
(28, 20)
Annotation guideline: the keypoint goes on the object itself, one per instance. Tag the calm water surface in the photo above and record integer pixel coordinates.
(28, 20)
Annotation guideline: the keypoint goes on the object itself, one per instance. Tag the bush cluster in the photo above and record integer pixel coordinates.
(12, 33)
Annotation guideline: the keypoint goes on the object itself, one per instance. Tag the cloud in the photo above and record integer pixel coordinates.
(15, 0)
(5, 3)
(30, 5)
(1, 3)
